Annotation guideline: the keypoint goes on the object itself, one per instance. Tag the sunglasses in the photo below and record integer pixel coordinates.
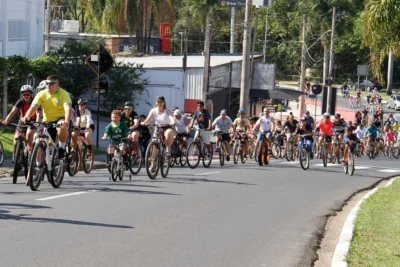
(50, 83)
(241, 113)
(26, 94)
(127, 108)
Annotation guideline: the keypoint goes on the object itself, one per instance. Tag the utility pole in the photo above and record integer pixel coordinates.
(331, 61)
(98, 96)
(266, 34)
(4, 36)
(206, 76)
(303, 65)
(253, 48)
(390, 73)
(244, 92)
(186, 43)
(47, 27)
(232, 48)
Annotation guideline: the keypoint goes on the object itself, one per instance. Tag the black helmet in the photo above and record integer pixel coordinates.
(337, 116)
(82, 101)
(129, 104)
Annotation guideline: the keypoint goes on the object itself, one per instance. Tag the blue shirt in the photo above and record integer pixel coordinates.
(310, 121)
(373, 131)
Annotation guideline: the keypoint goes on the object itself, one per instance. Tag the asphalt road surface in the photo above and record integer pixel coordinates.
(238, 215)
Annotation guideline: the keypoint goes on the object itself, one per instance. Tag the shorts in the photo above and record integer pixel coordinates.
(242, 133)
(206, 136)
(161, 131)
(53, 130)
(328, 138)
(262, 134)
(119, 143)
(225, 137)
(91, 127)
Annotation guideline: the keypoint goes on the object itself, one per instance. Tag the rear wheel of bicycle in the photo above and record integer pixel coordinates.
(221, 153)
(276, 151)
(114, 170)
(207, 159)
(371, 151)
(73, 161)
(350, 164)
(304, 159)
(58, 170)
(174, 154)
(165, 163)
(18, 160)
(236, 148)
(37, 173)
(193, 155)
(1, 153)
(152, 160)
(87, 159)
(135, 158)
(396, 152)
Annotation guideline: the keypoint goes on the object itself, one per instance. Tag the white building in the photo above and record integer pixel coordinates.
(21, 28)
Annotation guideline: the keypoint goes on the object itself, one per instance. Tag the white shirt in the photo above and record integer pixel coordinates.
(161, 119)
(180, 124)
(265, 124)
(86, 118)
(360, 133)
(222, 125)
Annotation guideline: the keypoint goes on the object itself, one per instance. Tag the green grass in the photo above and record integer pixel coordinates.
(6, 138)
(376, 239)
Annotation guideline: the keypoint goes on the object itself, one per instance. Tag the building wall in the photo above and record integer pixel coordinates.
(21, 28)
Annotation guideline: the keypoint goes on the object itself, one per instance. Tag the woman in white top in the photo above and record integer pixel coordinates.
(84, 122)
(165, 119)
(181, 126)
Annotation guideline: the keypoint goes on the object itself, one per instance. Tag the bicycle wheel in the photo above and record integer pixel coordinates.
(371, 152)
(183, 156)
(114, 170)
(260, 153)
(207, 159)
(257, 151)
(1, 153)
(304, 159)
(221, 153)
(251, 149)
(266, 156)
(121, 172)
(152, 160)
(335, 153)
(135, 158)
(276, 151)
(193, 155)
(350, 163)
(108, 161)
(72, 161)
(18, 160)
(87, 160)
(58, 170)
(236, 148)
(36, 173)
(165, 163)
(396, 152)
(289, 151)
(324, 155)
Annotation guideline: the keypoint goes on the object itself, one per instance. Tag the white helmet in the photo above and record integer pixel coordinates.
(177, 112)
(42, 85)
(26, 88)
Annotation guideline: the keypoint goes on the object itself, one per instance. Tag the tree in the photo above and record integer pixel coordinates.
(72, 10)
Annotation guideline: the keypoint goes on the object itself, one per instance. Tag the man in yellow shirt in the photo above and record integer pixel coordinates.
(56, 106)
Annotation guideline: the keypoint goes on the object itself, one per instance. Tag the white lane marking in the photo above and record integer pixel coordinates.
(66, 195)
(389, 170)
(289, 162)
(329, 165)
(379, 167)
(362, 167)
(206, 173)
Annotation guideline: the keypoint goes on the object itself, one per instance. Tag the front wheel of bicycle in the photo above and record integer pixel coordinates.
(289, 151)
(193, 155)
(135, 158)
(276, 150)
(165, 163)
(58, 170)
(73, 161)
(236, 148)
(324, 155)
(207, 156)
(37, 166)
(87, 159)
(396, 152)
(350, 163)
(152, 159)
(1, 153)
(18, 160)
(114, 170)
(304, 159)
(183, 156)
(222, 154)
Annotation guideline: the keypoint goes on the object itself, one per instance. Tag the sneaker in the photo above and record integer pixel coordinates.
(61, 153)
(228, 158)
(167, 153)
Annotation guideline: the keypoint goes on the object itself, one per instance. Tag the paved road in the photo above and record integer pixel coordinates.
(242, 215)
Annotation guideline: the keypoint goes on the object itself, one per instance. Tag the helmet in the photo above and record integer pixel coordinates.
(242, 110)
(42, 85)
(26, 88)
(177, 112)
(303, 118)
(326, 114)
(223, 112)
(129, 104)
(337, 116)
(82, 101)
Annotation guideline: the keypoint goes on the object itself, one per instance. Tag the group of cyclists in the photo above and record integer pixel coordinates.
(53, 105)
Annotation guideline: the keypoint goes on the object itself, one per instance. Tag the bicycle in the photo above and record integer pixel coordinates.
(117, 164)
(72, 156)
(221, 147)
(178, 151)
(276, 147)
(20, 155)
(337, 149)
(155, 158)
(198, 150)
(371, 148)
(324, 151)
(238, 149)
(86, 156)
(44, 158)
(304, 156)
(348, 163)
(263, 151)
(289, 147)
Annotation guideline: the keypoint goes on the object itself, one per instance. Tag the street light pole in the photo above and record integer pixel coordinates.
(98, 97)
(244, 93)
(266, 34)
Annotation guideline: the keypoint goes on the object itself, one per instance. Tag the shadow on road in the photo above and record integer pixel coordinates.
(5, 215)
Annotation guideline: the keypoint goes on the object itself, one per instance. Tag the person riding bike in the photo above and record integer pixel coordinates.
(222, 124)
(23, 106)
(358, 117)
(349, 138)
(240, 126)
(325, 130)
(360, 132)
(345, 90)
(291, 125)
(56, 107)
(372, 134)
(85, 123)
(131, 119)
(339, 126)
(181, 126)
(266, 125)
(305, 129)
(203, 118)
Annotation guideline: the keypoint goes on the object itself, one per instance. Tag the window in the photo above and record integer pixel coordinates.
(17, 30)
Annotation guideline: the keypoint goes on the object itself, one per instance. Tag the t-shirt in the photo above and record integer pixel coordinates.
(202, 118)
(305, 130)
(241, 124)
(373, 131)
(339, 126)
(389, 136)
(86, 118)
(291, 126)
(23, 108)
(222, 125)
(360, 133)
(265, 123)
(351, 137)
(310, 121)
(52, 104)
(325, 128)
(117, 132)
(131, 120)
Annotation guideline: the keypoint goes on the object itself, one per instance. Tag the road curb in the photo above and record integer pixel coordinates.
(343, 246)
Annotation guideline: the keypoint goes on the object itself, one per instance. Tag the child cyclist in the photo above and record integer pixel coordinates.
(349, 138)
(116, 130)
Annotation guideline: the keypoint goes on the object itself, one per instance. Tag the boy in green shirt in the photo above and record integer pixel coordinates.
(116, 130)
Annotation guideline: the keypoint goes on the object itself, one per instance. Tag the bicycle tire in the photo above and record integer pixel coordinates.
(221, 154)
(152, 173)
(182, 158)
(87, 161)
(207, 162)
(121, 173)
(235, 153)
(276, 151)
(251, 150)
(135, 158)
(304, 159)
(114, 170)
(266, 156)
(193, 155)
(289, 150)
(324, 154)
(260, 153)
(257, 149)
(350, 164)
(165, 163)
(1, 153)
(241, 153)
(73, 161)
(35, 178)
(18, 158)
(58, 170)
(335, 152)
(396, 152)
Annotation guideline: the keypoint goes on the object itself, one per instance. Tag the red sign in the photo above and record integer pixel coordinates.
(165, 37)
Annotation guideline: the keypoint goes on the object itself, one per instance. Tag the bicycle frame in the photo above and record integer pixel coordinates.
(50, 145)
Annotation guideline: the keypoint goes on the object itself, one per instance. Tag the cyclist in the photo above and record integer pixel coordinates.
(372, 133)
(56, 107)
(325, 129)
(166, 121)
(389, 140)
(266, 125)
(290, 126)
(116, 131)
(240, 126)
(339, 126)
(203, 119)
(305, 129)
(358, 97)
(349, 139)
(310, 120)
(181, 126)
(131, 119)
(85, 123)
(360, 132)
(358, 117)
(23, 105)
(222, 124)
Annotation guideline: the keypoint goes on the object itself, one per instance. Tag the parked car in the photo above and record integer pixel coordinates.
(367, 85)
(394, 102)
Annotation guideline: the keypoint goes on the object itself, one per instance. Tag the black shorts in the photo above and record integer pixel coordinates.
(53, 130)
(91, 127)
(225, 137)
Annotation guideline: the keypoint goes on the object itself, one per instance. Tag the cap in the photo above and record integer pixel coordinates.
(177, 112)
(307, 112)
(242, 110)
(223, 112)
(326, 114)
(201, 103)
(160, 99)
(337, 115)
(303, 118)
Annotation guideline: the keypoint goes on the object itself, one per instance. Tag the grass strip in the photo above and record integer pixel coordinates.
(376, 238)
(6, 138)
